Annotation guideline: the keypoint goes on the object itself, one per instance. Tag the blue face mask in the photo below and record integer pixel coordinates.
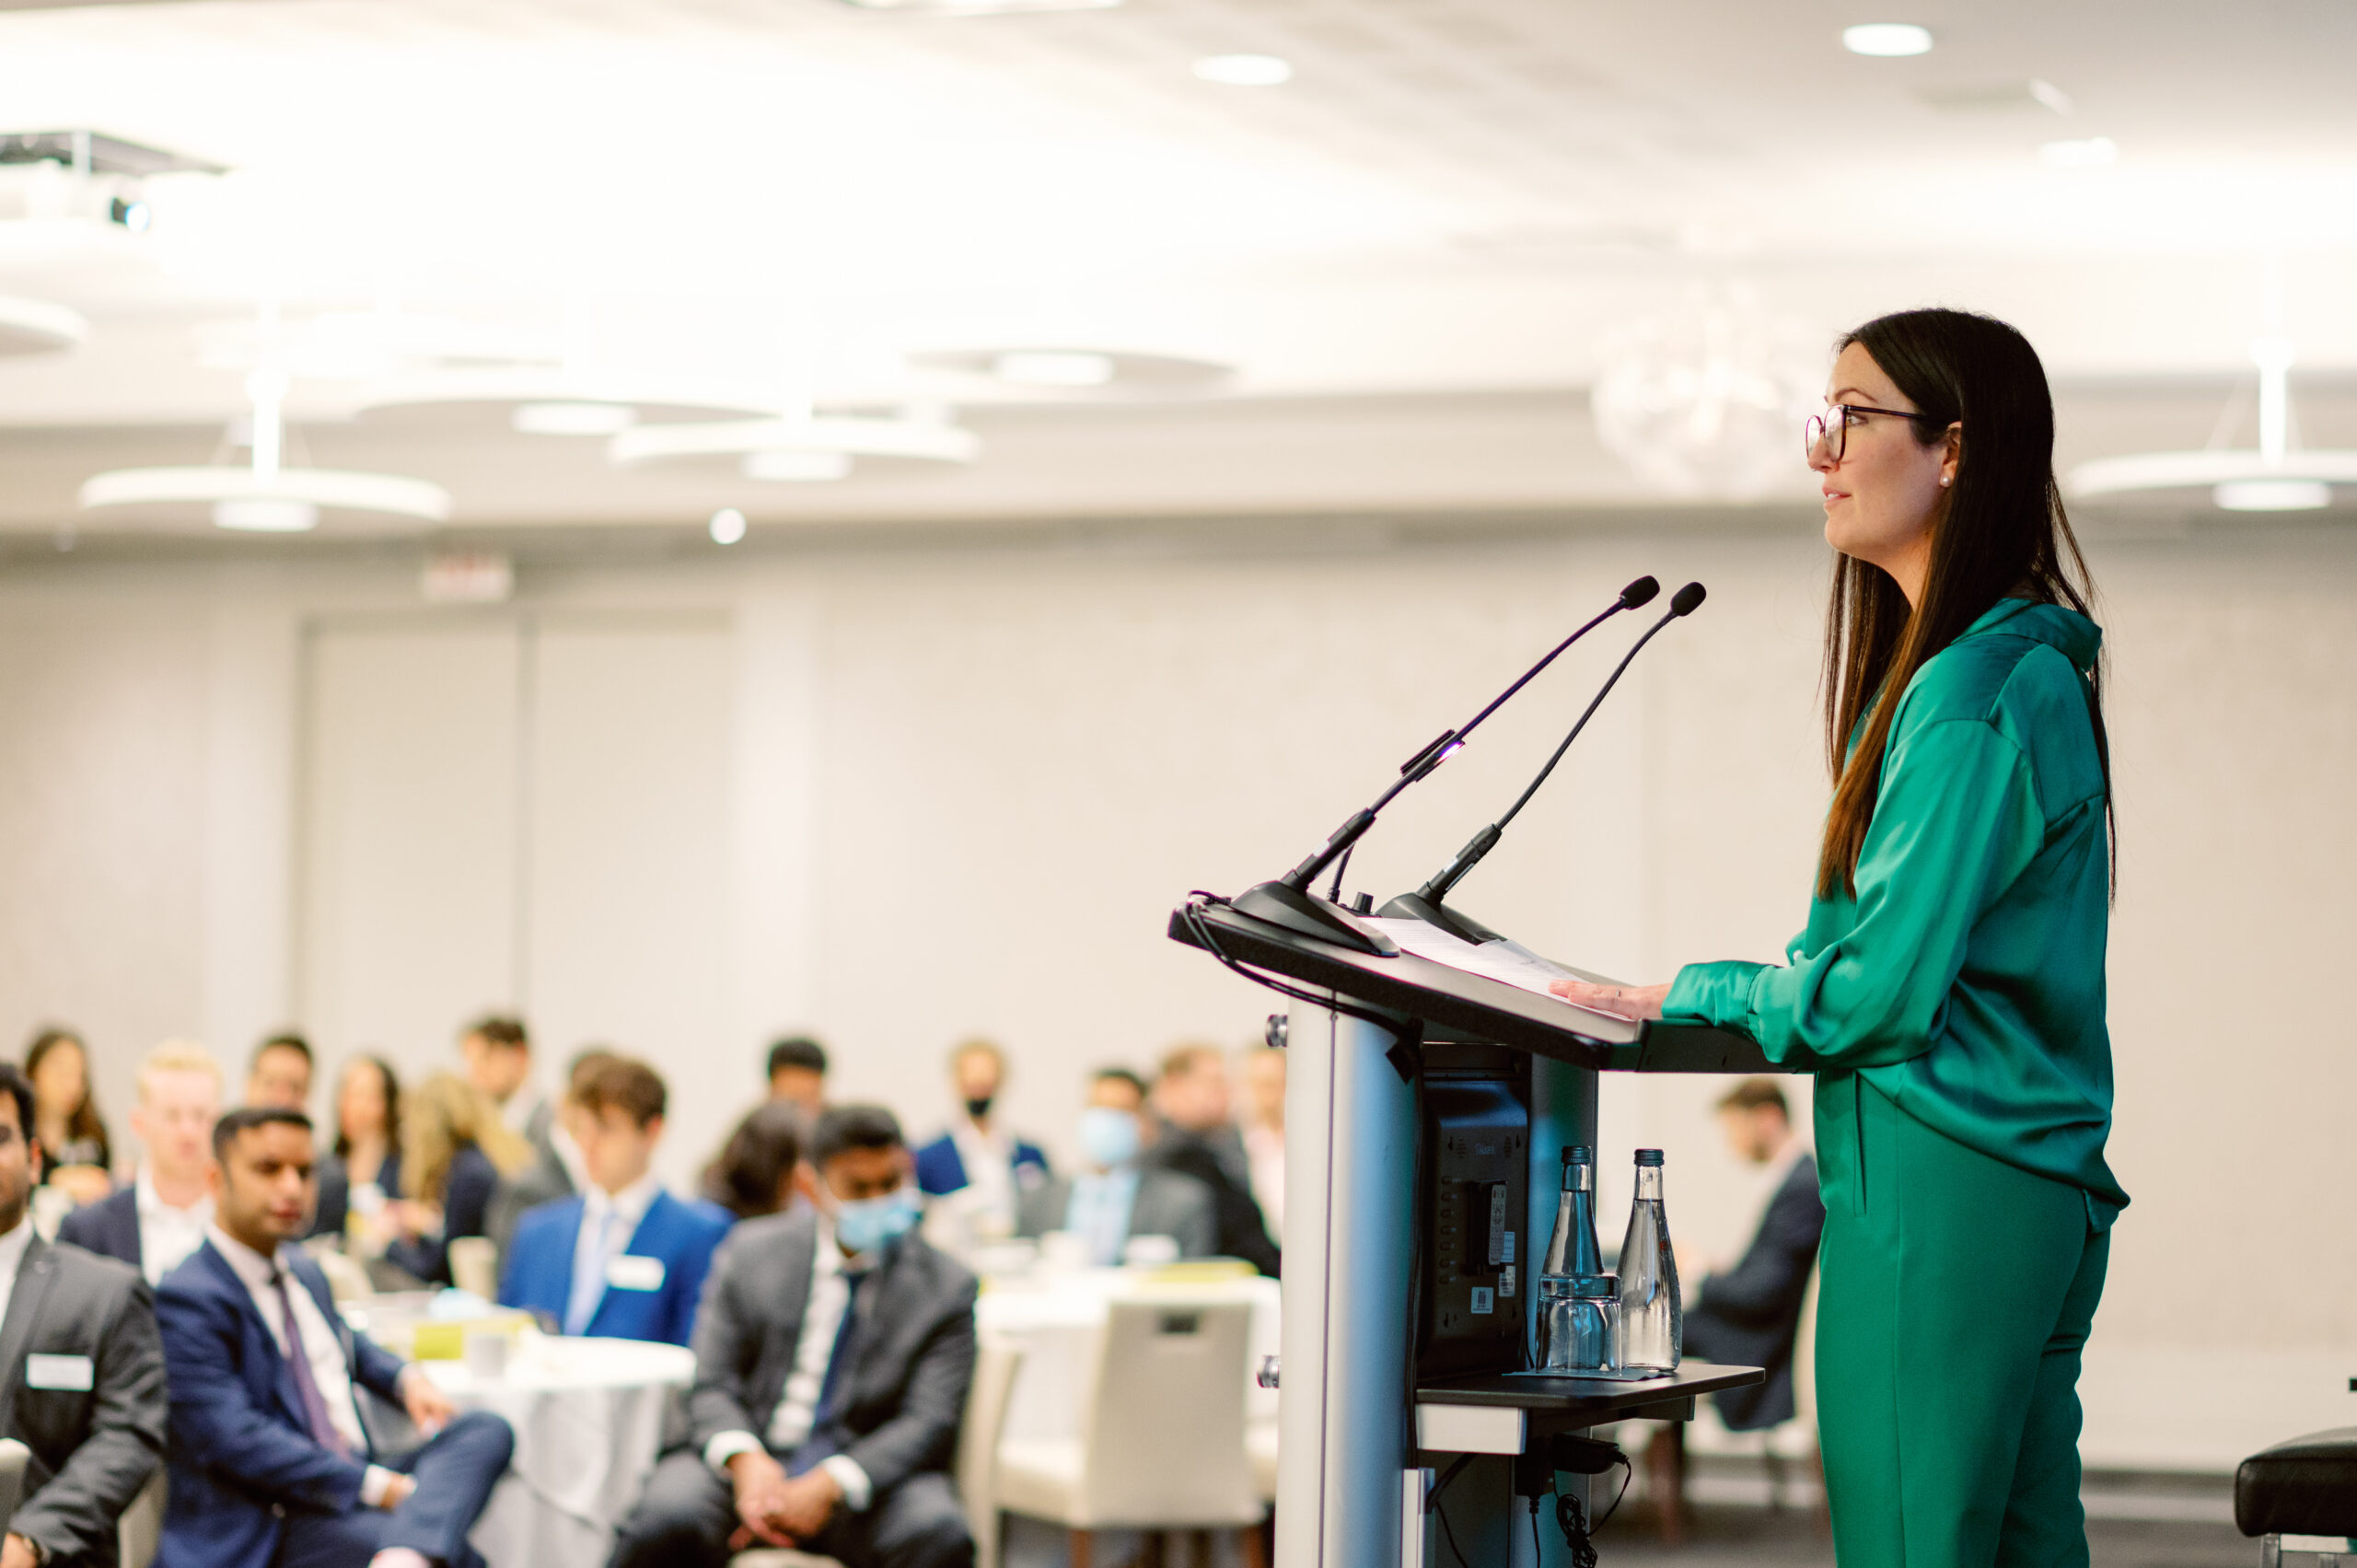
(873, 1223)
(1108, 1137)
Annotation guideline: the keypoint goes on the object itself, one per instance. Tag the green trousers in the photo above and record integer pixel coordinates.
(1955, 1300)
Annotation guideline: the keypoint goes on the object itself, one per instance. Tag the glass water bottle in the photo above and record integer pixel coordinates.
(1573, 1250)
(1651, 1317)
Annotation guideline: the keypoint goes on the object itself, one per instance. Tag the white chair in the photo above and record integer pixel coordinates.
(1261, 1442)
(1162, 1440)
(995, 1363)
(14, 1457)
(474, 1266)
(140, 1528)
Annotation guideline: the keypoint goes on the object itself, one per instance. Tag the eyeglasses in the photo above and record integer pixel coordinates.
(1832, 427)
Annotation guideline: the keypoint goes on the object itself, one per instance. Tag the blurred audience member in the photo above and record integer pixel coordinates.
(271, 1466)
(499, 1063)
(84, 1374)
(1748, 1315)
(1198, 1140)
(455, 1150)
(799, 1076)
(1264, 1133)
(556, 1170)
(622, 1260)
(160, 1217)
(754, 1173)
(363, 1171)
(80, 1157)
(1116, 1195)
(833, 1358)
(280, 1074)
(978, 1155)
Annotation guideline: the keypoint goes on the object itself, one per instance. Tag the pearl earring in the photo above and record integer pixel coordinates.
(1944, 480)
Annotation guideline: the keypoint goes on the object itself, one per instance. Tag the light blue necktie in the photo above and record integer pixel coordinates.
(589, 1277)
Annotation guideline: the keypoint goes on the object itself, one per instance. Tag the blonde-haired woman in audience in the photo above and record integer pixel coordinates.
(454, 1151)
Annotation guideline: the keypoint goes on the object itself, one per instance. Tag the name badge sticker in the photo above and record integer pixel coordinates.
(634, 1273)
(73, 1373)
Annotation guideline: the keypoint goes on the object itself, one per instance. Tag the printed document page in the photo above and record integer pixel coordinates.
(1502, 961)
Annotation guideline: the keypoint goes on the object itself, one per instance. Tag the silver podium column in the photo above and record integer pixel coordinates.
(1343, 1399)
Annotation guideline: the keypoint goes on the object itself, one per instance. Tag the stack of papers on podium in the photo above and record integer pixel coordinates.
(1502, 961)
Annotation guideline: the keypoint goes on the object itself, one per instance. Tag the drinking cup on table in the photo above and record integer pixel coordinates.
(486, 1353)
(1062, 1251)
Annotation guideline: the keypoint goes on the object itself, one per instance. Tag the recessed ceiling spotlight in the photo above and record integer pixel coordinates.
(2087, 151)
(797, 468)
(572, 418)
(728, 525)
(1887, 41)
(1245, 70)
(1053, 367)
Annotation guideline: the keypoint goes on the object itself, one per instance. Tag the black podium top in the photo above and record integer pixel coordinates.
(1475, 1005)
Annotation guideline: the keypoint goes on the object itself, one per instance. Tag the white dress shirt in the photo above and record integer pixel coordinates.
(1264, 1146)
(321, 1347)
(12, 1258)
(989, 1160)
(623, 1211)
(797, 1405)
(166, 1234)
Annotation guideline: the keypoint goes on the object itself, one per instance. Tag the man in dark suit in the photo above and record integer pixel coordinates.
(271, 1466)
(159, 1217)
(1116, 1194)
(81, 1371)
(979, 1156)
(833, 1353)
(498, 1052)
(1200, 1138)
(558, 1171)
(624, 1260)
(1746, 1315)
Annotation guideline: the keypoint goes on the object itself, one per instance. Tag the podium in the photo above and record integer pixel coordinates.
(1425, 1112)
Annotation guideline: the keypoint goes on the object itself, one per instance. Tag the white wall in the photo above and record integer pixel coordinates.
(906, 794)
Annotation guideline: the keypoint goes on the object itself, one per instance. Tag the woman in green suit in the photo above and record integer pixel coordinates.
(1948, 993)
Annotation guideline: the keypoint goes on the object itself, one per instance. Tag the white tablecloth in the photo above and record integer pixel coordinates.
(1059, 1319)
(589, 1418)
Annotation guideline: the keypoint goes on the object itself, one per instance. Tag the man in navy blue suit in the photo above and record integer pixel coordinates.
(624, 1259)
(979, 1156)
(159, 1218)
(271, 1466)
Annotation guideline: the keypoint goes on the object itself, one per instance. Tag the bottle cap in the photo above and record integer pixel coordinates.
(1649, 1157)
(1578, 1154)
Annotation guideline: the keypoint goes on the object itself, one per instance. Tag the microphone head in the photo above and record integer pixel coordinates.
(1685, 598)
(1639, 592)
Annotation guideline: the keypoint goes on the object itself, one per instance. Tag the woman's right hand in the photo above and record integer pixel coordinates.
(1632, 1002)
(82, 1183)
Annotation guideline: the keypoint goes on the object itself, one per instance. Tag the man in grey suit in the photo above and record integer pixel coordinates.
(83, 1370)
(556, 1170)
(1117, 1194)
(833, 1349)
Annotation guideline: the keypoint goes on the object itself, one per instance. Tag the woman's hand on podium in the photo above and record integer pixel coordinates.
(1621, 1000)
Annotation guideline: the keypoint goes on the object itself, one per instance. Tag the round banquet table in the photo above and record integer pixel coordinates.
(1059, 1319)
(588, 1419)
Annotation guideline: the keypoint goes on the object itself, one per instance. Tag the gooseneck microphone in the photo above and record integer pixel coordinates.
(1427, 902)
(1287, 901)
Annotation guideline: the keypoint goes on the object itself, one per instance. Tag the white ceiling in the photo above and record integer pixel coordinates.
(1457, 198)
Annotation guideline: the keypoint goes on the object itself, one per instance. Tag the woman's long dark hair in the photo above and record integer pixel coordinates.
(2004, 533)
(392, 1086)
(83, 1121)
(749, 1175)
